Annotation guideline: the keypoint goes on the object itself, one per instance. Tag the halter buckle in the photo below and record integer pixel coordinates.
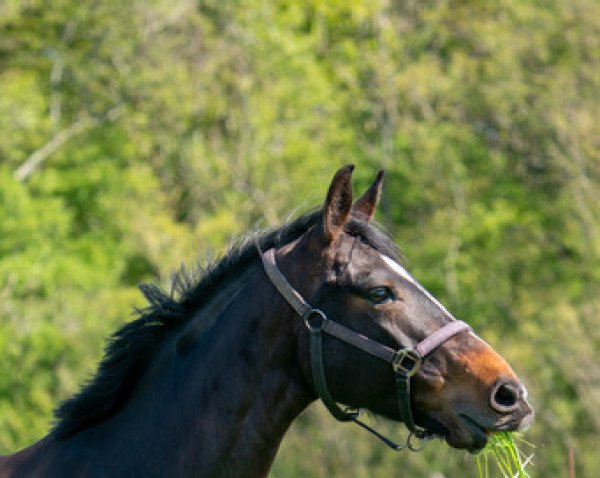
(406, 361)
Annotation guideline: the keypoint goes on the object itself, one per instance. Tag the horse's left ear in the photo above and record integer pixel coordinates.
(338, 203)
(365, 206)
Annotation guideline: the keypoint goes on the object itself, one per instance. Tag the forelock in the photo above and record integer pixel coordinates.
(374, 236)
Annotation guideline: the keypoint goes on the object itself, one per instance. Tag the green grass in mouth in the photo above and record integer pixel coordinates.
(506, 450)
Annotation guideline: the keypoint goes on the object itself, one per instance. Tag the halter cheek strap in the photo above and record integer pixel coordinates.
(405, 361)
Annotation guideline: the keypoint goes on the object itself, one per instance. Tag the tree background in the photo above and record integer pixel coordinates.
(139, 135)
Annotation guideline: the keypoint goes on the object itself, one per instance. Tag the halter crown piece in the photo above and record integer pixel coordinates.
(405, 361)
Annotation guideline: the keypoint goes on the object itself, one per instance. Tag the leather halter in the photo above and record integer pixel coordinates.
(405, 361)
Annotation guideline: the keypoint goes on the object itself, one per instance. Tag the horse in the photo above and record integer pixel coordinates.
(208, 378)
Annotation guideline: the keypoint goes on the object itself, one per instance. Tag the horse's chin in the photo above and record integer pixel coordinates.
(460, 432)
(476, 436)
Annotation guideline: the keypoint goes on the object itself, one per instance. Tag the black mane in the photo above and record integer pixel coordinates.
(131, 348)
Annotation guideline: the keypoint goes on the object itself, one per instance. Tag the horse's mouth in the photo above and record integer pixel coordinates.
(463, 431)
(479, 434)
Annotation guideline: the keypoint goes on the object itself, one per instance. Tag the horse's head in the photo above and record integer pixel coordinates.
(345, 267)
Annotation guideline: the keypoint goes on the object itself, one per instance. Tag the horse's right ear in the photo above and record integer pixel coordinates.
(365, 206)
(338, 203)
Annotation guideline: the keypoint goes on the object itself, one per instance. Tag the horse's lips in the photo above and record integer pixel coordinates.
(479, 434)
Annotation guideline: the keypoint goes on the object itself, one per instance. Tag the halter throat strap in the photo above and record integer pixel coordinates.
(405, 361)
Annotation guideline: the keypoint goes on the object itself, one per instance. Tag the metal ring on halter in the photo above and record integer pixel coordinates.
(407, 361)
(315, 328)
(422, 441)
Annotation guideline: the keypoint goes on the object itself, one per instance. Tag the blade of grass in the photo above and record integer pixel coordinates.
(509, 458)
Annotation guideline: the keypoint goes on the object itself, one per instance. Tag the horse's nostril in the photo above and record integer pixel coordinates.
(505, 397)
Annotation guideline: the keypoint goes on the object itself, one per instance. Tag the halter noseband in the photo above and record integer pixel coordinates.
(405, 361)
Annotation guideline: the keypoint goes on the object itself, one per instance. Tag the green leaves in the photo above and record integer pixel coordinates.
(165, 130)
(510, 460)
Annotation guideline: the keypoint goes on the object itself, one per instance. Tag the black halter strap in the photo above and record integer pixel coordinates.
(405, 361)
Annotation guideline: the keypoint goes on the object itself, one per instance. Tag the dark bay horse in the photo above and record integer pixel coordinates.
(206, 383)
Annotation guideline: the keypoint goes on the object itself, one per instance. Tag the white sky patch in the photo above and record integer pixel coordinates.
(402, 272)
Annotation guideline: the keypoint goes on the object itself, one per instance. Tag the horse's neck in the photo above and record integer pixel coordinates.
(213, 402)
(246, 385)
(224, 401)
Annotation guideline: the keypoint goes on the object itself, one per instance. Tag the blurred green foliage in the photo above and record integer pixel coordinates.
(139, 135)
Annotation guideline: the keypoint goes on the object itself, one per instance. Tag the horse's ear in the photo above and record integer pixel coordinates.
(365, 206)
(338, 203)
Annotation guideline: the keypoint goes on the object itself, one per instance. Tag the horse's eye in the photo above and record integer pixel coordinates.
(380, 295)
